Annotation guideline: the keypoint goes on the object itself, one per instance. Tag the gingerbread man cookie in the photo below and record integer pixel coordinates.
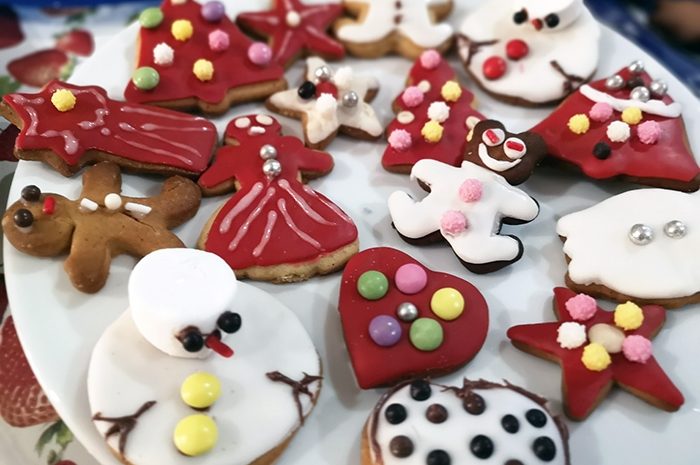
(466, 207)
(100, 224)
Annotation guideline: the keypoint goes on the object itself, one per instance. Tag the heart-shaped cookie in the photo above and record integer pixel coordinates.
(402, 320)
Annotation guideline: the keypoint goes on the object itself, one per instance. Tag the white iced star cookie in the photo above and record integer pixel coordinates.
(329, 101)
(466, 207)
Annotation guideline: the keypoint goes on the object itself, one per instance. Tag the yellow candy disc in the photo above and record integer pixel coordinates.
(632, 115)
(447, 303)
(451, 91)
(629, 316)
(63, 100)
(579, 124)
(182, 29)
(200, 390)
(432, 131)
(195, 435)
(595, 357)
(203, 69)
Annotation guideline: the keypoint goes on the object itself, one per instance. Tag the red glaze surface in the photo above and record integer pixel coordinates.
(307, 225)
(450, 149)
(309, 35)
(139, 133)
(582, 388)
(232, 67)
(670, 158)
(381, 366)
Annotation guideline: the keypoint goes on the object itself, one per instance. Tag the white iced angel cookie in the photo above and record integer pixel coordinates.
(530, 52)
(642, 245)
(329, 101)
(156, 407)
(407, 27)
(466, 207)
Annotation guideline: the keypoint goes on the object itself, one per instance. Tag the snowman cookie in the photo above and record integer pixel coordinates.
(530, 52)
(466, 207)
(480, 422)
(194, 371)
(642, 245)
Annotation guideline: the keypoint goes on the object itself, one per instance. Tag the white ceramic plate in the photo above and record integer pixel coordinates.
(59, 326)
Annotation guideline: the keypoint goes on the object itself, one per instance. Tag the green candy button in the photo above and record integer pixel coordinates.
(145, 78)
(151, 17)
(426, 334)
(372, 285)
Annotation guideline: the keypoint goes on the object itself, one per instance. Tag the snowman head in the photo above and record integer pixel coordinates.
(546, 15)
(181, 301)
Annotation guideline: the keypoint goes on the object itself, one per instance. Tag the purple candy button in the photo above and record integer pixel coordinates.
(213, 11)
(385, 330)
(411, 278)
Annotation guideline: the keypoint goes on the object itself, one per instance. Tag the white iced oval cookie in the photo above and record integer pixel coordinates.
(478, 423)
(604, 249)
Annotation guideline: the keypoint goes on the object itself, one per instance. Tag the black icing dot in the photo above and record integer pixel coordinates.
(192, 341)
(395, 414)
(474, 404)
(307, 90)
(436, 413)
(31, 193)
(520, 17)
(420, 390)
(536, 417)
(601, 151)
(635, 81)
(544, 448)
(510, 424)
(229, 322)
(401, 447)
(513, 462)
(481, 446)
(23, 218)
(438, 457)
(552, 20)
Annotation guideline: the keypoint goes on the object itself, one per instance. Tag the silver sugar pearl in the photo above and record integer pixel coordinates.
(323, 73)
(636, 67)
(641, 234)
(407, 312)
(268, 152)
(615, 82)
(640, 93)
(350, 99)
(675, 229)
(272, 168)
(658, 88)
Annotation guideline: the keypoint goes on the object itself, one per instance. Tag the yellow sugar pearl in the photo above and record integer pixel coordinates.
(203, 69)
(447, 303)
(632, 115)
(451, 91)
(579, 124)
(595, 357)
(63, 100)
(195, 435)
(432, 131)
(629, 316)
(182, 29)
(200, 390)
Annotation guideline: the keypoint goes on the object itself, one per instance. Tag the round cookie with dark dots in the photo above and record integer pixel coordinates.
(477, 423)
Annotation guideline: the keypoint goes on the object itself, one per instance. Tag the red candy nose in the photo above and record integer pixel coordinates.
(49, 205)
(517, 49)
(537, 23)
(494, 67)
(515, 145)
(213, 341)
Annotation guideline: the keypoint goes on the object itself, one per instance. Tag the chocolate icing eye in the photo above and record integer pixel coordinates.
(493, 137)
(395, 414)
(229, 322)
(520, 17)
(192, 340)
(514, 148)
(23, 218)
(536, 417)
(551, 20)
(544, 448)
(510, 424)
(31, 193)
(420, 390)
(307, 90)
(481, 446)
(438, 457)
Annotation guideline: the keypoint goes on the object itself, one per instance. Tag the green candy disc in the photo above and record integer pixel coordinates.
(145, 78)
(426, 334)
(372, 285)
(151, 17)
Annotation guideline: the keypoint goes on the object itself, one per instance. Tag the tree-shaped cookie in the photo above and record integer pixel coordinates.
(100, 224)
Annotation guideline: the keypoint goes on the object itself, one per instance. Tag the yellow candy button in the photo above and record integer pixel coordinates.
(200, 390)
(629, 316)
(195, 435)
(182, 29)
(447, 303)
(595, 357)
(63, 100)
(203, 69)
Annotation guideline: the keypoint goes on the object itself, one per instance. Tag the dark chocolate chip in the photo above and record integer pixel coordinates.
(31, 193)
(420, 390)
(192, 341)
(436, 413)
(551, 20)
(481, 446)
(23, 218)
(401, 447)
(510, 424)
(635, 81)
(520, 17)
(229, 322)
(544, 448)
(438, 457)
(536, 417)
(307, 90)
(395, 414)
(601, 151)
(474, 404)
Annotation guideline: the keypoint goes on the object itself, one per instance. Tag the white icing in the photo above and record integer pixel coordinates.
(242, 123)
(618, 131)
(113, 201)
(471, 121)
(610, 337)
(137, 208)
(438, 111)
(601, 253)
(265, 120)
(163, 54)
(424, 86)
(405, 117)
(89, 205)
(480, 243)
(493, 164)
(293, 19)
(652, 107)
(568, 11)
(343, 77)
(256, 130)
(326, 105)
(571, 335)
(514, 153)
(497, 137)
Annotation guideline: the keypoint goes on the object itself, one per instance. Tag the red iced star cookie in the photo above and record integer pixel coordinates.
(597, 349)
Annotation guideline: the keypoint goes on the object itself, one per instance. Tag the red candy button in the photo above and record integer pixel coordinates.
(494, 67)
(517, 49)
(326, 87)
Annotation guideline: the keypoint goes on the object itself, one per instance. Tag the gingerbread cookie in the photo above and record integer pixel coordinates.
(623, 126)
(406, 27)
(294, 29)
(100, 224)
(598, 349)
(274, 228)
(329, 102)
(465, 207)
(642, 245)
(480, 422)
(203, 375)
(69, 126)
(434, 116)
(530, 52)
(402, 320)
(191, 55)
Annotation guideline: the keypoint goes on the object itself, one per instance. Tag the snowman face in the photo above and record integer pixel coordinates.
(197, 341)
(546, 15)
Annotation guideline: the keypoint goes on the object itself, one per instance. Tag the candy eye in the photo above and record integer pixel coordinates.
(551, 20)
(229, 322)
(493, 137)
(23, 218)
(520, 17)
(307, 90)
(514, 148)
(31, 193)
(191, 339)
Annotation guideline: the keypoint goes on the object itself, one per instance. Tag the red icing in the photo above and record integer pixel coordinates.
(293, 234)
(494, 67)
(583, 388)
(511, 144)
(213, 341)
(326, 87)
(49, 205)
(286, 41)
(174, 139)
(450, 149)
(380, 366)
(668, 159)
(232, 68)
(517, 49)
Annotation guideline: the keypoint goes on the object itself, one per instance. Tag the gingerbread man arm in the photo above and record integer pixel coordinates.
(412, 219)
(220, 178)
(177, 202)
(516, 203)
(312, 163)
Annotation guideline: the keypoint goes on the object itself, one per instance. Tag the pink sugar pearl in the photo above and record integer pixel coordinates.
(260, 54)
(601, 112)
(471, 190)
(637, 349)
(430, 59)
(219, 40)
(649, 132)
(581, 307)
(400, 139)
(412, 96)
(453, 222)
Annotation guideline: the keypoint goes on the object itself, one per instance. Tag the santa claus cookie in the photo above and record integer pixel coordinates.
(274, 227)
(191, 55)
(480, 422)
(100, 224)
(294, 29)
(69, 126)
(407, 27)
(330, 101)
(434, 117)
(194, 372)
(466, 207)
(598, 349)
(642, 245)
(530, 52)
(623, 126)
(402, 320)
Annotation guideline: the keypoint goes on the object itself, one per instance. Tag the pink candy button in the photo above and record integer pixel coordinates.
(411, 278)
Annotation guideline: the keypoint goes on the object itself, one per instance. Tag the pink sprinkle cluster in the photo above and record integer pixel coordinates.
(471, 190)
(400, 139)
(453, 222)
(649, 132)
(219, 40)
(430, 59)
(260, 54)
(601, 112)
(637, 349)
(581, 307)
(412, 96)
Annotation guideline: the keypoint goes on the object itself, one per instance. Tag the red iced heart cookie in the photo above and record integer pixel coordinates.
(402, 320)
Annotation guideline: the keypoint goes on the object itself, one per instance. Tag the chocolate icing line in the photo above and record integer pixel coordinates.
(572, 82)
(472, 46)
(298, 388)
(122, 426)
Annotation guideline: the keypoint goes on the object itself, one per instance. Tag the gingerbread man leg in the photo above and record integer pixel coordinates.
(479, 249)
